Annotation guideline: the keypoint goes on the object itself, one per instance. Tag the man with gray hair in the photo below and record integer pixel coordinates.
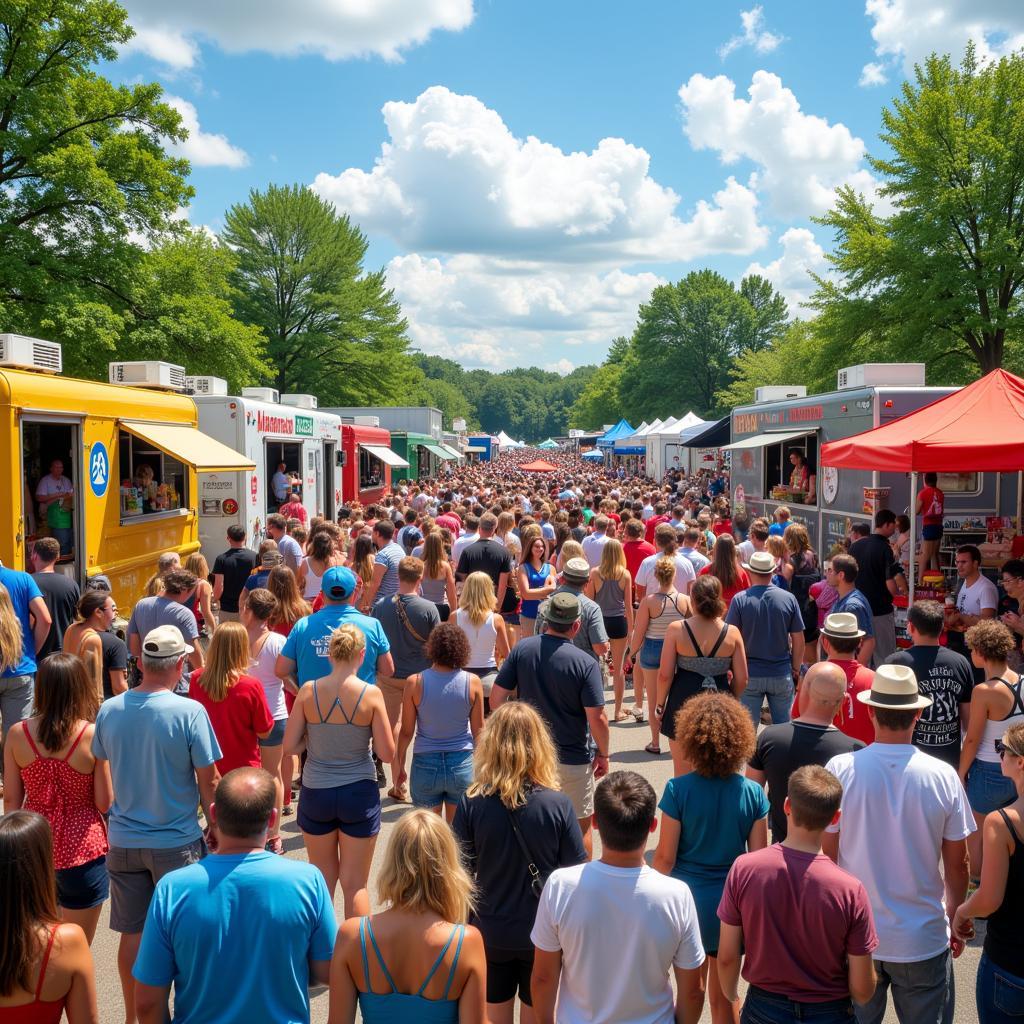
(162, 753)
(168, 609)
(591, 637)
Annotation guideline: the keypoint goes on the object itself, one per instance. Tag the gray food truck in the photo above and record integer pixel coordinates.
(766, 474)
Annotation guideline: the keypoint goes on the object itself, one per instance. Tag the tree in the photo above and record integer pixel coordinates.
(683, 346)
(771, 314)
(599, 402)
(331, 329)
(82, 168)
(938, 280)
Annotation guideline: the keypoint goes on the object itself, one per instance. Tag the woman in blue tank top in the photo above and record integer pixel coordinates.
(443, 707)
(417, 961)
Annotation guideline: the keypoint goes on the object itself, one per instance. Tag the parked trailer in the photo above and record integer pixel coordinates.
(306, 440)
(764, 434)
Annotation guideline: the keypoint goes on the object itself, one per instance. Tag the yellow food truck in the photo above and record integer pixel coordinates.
(107, 469)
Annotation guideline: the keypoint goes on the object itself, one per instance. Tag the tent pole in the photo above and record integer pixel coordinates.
(1019, 525)
(913, 536)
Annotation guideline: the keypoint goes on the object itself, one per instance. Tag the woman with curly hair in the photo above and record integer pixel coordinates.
(710, 817)
(996, 704)
(443, 706)
(515, 785)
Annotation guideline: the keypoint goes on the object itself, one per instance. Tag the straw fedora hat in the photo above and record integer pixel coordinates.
(894, 688)
(842, 626)
(761, 562)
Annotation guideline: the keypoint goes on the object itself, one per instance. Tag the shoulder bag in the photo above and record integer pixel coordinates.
(403, 617)
(536, 880)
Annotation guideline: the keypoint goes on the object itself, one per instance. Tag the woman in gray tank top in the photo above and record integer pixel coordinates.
(335, 720)
(611, 586)
(443, 708)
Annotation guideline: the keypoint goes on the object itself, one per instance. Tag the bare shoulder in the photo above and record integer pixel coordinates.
(70, 947)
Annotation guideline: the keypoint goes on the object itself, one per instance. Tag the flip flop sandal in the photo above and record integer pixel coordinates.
(652, 749)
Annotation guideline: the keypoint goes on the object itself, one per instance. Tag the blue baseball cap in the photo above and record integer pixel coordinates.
(338, 583)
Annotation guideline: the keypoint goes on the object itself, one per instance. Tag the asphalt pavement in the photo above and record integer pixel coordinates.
(626, 753)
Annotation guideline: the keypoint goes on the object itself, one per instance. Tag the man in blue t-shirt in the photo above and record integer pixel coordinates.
(842, 574)
(242, 934)
(16, 682)
(304, 655)
(772, 627)
(162, 752)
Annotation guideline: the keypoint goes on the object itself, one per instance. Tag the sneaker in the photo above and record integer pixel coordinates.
(275, 845)
(287, 809)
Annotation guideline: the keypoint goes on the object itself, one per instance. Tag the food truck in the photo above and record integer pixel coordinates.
(766, 473)
(130, 452)
(367, 463)
(293, 445)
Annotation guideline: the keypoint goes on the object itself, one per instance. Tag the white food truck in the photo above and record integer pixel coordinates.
(271, 429)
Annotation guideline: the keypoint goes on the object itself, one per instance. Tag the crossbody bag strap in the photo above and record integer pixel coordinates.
(536, 881)
(403, 617)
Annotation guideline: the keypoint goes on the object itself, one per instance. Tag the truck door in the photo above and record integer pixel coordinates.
(328, 477)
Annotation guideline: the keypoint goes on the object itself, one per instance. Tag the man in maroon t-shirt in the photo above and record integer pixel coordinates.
(801, 924)
(635, 548)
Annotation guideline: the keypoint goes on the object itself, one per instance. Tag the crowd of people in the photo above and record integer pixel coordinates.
(841, 809)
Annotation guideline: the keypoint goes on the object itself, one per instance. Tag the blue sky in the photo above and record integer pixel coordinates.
(548, 164)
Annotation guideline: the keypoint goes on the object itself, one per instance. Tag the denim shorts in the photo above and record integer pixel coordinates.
(276, 737)
(650, 653)
(999, 993)
(987, 788)
(440, 778)
(83, 886)
(353, 809)
(763, 1007)
(931, 531)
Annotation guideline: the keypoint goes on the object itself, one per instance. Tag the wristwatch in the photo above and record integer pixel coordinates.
(599, 754)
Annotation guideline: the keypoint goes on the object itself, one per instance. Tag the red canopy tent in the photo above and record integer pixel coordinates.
(538, 466)
(978, 428)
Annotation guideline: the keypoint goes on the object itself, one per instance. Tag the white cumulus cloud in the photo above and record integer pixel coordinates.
(801, 159)
(791, 272)
(873, 74)
(453, 178)
(203, 149)
(504, 313)
(333, 29)
(754, 34)
(905, 32)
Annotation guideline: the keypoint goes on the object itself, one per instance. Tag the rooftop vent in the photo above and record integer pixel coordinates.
(876, 375)
(23, 353)
(271, 395)
(148, 374)
(206, 385)
(299, 401)
(779, 392)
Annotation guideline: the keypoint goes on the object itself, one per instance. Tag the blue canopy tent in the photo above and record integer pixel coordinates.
(593, 456)
(621, 429)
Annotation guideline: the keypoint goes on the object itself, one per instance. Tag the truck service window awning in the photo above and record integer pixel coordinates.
(451, 451)
(763, 440)
(191, 446)
(386, 455)
(475, 448)
(441, 453)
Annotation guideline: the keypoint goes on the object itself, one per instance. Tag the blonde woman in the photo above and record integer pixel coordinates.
(336, 720)
(417, 960)
(484, 628)
(235, 702)
(516, 776)
(291, 606)
(202, 600)
(85, 637)
(611, 586)
(570, 549)
(503, 534)
(656, 613)
(438, 583)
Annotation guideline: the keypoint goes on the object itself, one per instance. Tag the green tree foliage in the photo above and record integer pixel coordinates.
(331, 329)
(771, 314)
(938, 280)
(83, 173)
(599, 403)
(682, 350)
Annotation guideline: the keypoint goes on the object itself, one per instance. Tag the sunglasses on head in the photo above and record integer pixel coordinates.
(1003, 748)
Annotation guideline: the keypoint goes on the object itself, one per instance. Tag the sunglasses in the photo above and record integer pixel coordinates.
(1004, 748)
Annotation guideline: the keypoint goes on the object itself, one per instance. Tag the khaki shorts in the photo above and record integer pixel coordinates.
(228, 617)
(134, 873)
(576, 781)
(393, 691)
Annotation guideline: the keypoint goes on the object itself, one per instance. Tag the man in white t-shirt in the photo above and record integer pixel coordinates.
(757, 538)
(608, 932)
(593, 544)
(903, 813)
(665, 542)
(976, 599)
(469, 536)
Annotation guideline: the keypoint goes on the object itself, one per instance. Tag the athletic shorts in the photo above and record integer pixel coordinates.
(616, 627)
(276, 737)
(353, 809)
(83, 886)
(508, 975)
(931, 531)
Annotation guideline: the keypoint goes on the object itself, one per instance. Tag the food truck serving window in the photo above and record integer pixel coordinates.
(960, 483)
(789, 464)
(151, 481)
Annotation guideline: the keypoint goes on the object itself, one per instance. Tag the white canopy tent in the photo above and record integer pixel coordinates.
(507, 442)
(663, 445)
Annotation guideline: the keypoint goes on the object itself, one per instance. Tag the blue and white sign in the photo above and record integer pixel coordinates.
(99, 469)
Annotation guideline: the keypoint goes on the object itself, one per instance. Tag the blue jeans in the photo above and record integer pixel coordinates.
(1000, 994)
(778, 690)
(440, 777)
(922, 992)
(65, 536)
(762, 1007)
(15, 701)
(988, 788)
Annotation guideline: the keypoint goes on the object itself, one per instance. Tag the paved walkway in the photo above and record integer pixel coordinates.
(626, 753)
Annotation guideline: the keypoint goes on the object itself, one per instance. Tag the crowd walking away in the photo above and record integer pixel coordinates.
(380, 761)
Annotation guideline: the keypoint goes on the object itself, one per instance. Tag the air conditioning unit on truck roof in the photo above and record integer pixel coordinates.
(149, 373)
(271, 395)
(299, 401)
(778, 392)
(22, 353)
(876, 375)
(206, 385)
